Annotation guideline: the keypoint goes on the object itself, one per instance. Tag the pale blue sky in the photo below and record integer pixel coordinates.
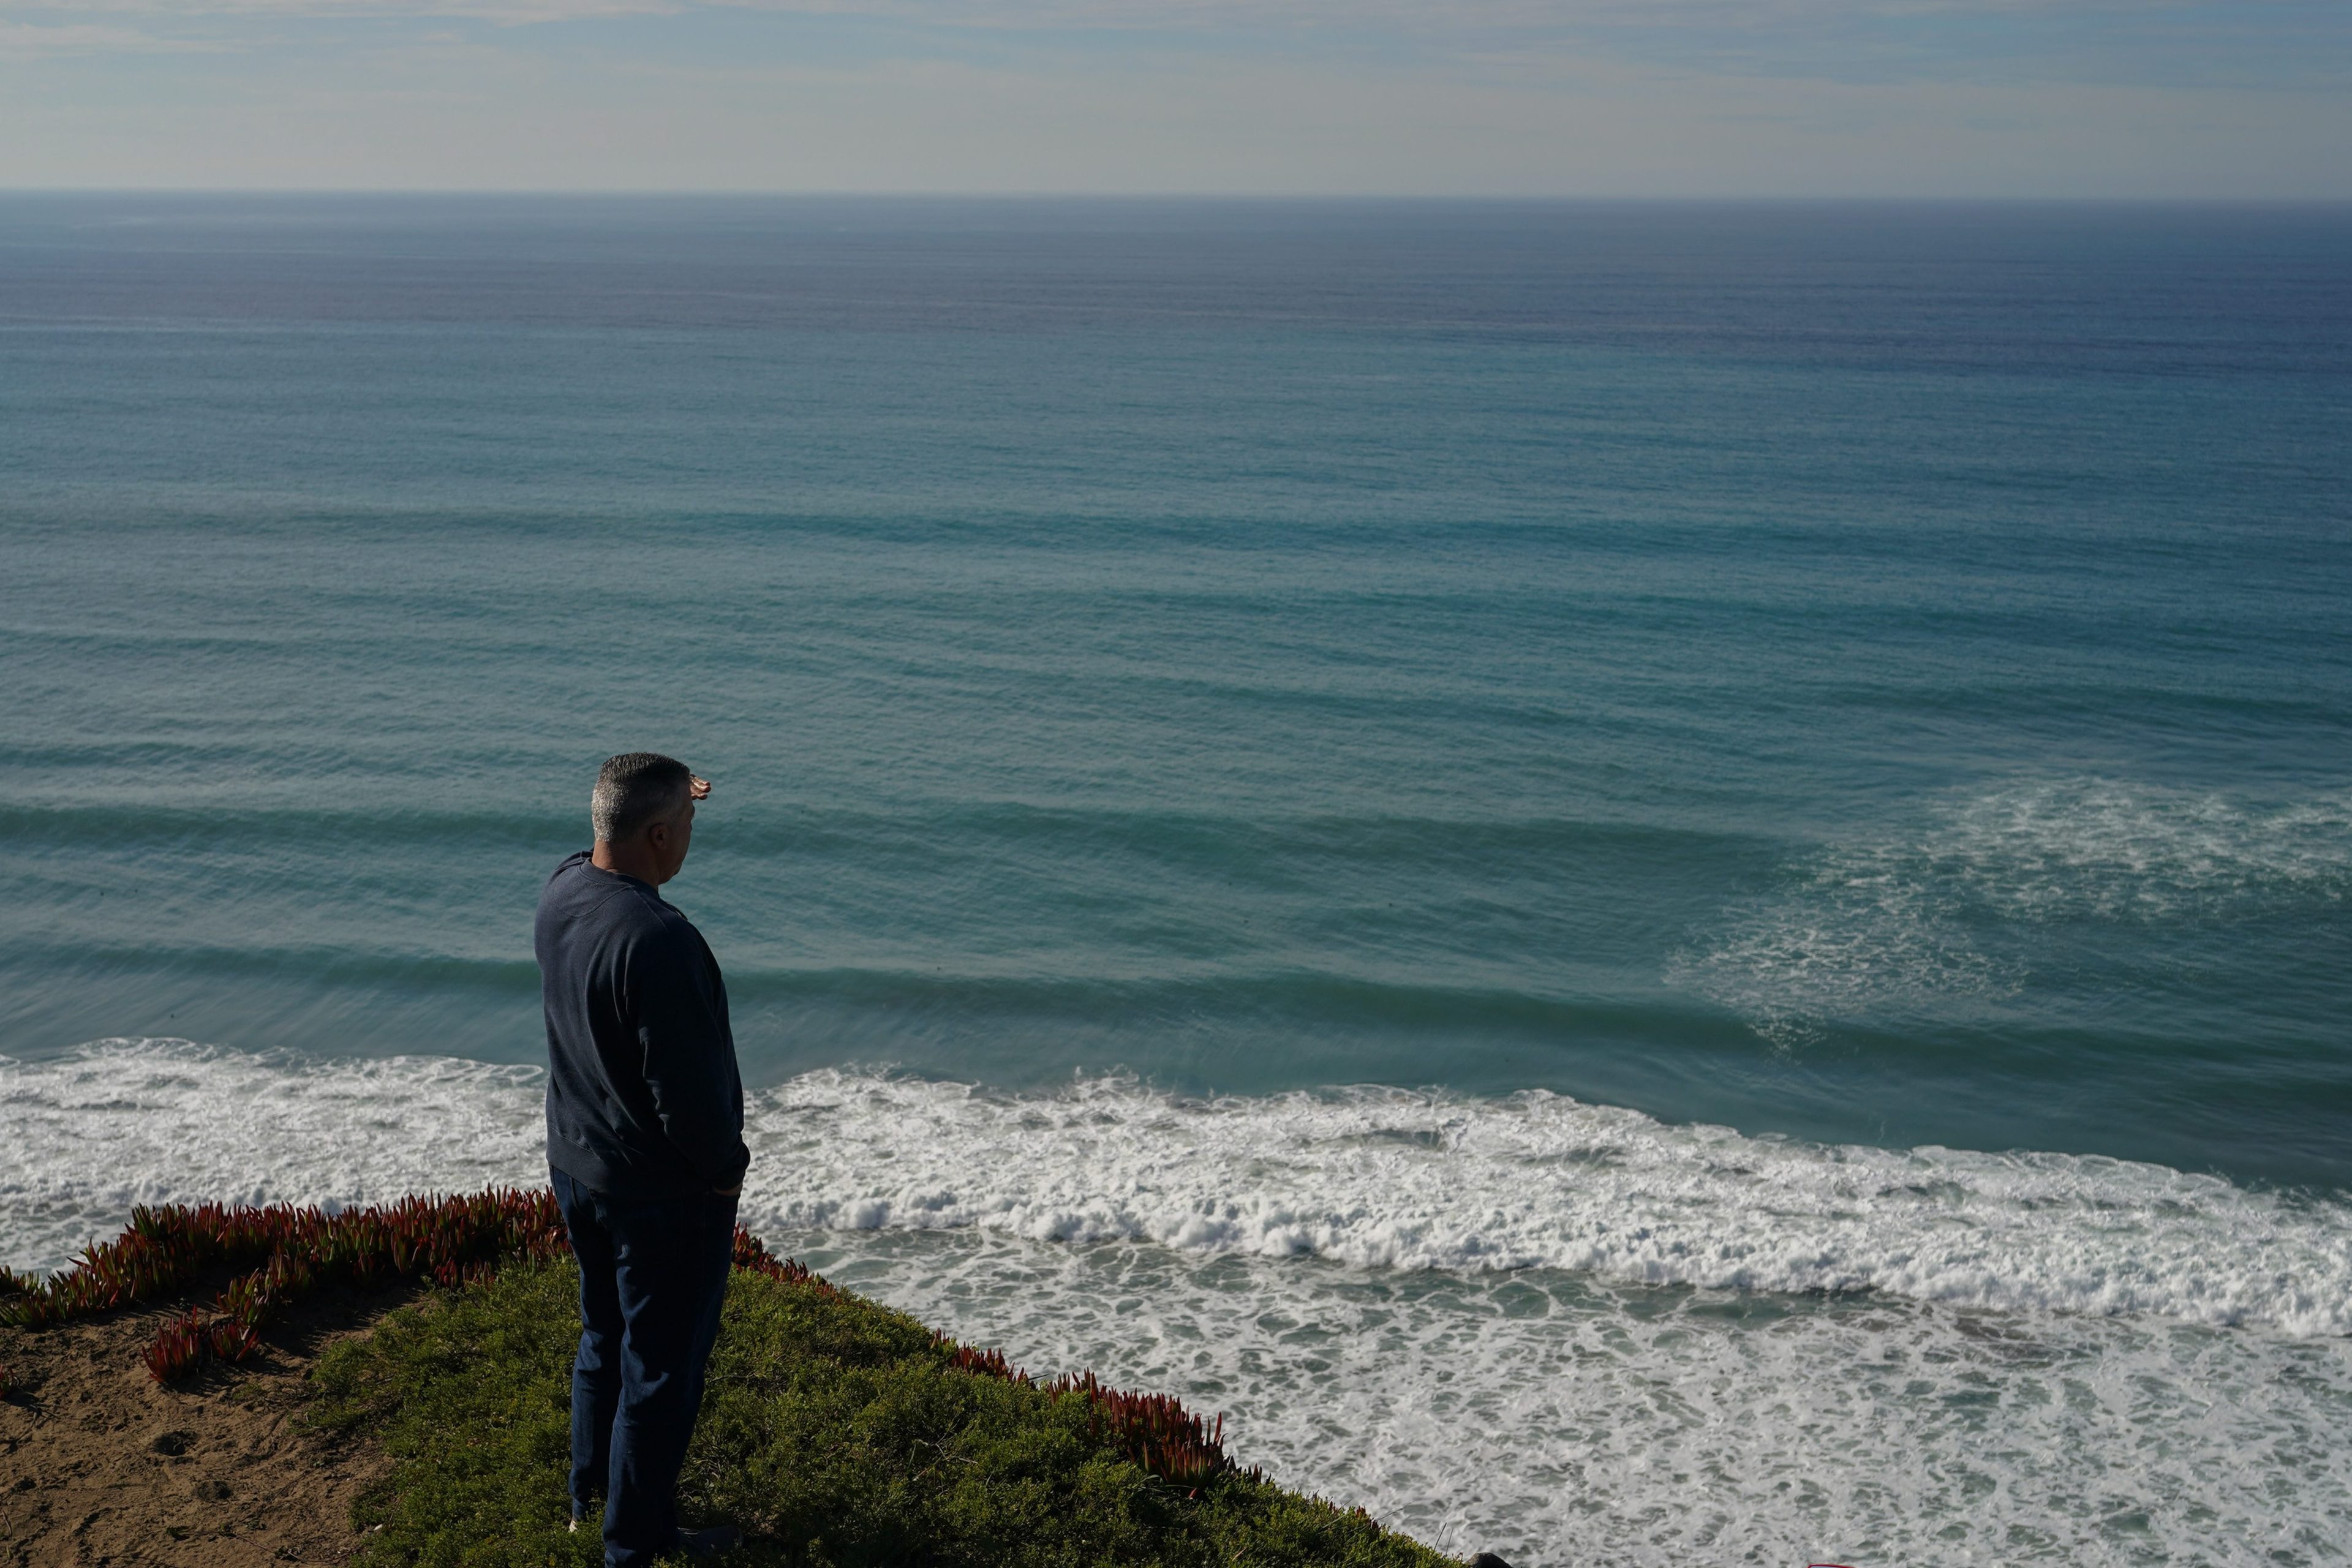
(2103, 97)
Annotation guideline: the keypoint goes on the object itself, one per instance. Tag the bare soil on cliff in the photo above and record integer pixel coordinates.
(100, 1466)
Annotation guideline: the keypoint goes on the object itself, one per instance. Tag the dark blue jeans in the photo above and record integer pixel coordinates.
(652, 1278)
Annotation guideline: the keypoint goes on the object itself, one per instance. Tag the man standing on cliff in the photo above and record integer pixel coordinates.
(645, 1144)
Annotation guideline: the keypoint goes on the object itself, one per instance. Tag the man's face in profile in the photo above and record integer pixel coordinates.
(673, 837)
(681, 839)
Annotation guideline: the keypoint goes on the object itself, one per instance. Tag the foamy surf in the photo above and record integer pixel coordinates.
(1958, 908)
(1561, 1331)
(1390, 1179)
(1370, 1178)
(1562, 1420)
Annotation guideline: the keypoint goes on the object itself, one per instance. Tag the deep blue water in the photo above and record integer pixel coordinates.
(1862, 672)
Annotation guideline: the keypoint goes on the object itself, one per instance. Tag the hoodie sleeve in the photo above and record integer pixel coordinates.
(689, 1058)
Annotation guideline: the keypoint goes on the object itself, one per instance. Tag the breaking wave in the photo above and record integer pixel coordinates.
(1371, 1178)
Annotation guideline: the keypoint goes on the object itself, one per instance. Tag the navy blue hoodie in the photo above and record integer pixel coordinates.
(643, 1095)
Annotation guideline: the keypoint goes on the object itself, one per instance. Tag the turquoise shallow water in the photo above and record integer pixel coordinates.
(1472, 793)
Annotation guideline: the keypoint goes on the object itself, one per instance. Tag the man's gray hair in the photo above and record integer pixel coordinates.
(634, 789)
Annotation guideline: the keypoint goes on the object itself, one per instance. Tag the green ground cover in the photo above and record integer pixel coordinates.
(835, 1431)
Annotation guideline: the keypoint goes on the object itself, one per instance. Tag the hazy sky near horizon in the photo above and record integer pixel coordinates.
(1932, 98)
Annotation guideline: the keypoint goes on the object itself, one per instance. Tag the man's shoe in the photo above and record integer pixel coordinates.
(710, 1541)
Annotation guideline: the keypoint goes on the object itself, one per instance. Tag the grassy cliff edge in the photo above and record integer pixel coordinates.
(835, 1431)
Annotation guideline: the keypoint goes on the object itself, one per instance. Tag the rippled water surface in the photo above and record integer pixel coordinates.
(1533, 832)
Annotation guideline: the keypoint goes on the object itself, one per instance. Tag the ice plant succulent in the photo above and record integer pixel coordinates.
(287, 1252)
(282, 1252)
(1154, 1430)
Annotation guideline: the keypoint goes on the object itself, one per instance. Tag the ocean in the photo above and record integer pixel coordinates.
(1650, 883)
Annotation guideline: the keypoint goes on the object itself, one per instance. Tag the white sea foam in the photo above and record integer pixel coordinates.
(1892, 924)
(118, 1122)
(1856, 938)
(1558, 1420)
(2093, 847)
(1384, 1178)
(1547, 1328)
(1371, 1178)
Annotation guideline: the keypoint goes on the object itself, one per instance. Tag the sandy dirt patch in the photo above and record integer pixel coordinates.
(99, 1466)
